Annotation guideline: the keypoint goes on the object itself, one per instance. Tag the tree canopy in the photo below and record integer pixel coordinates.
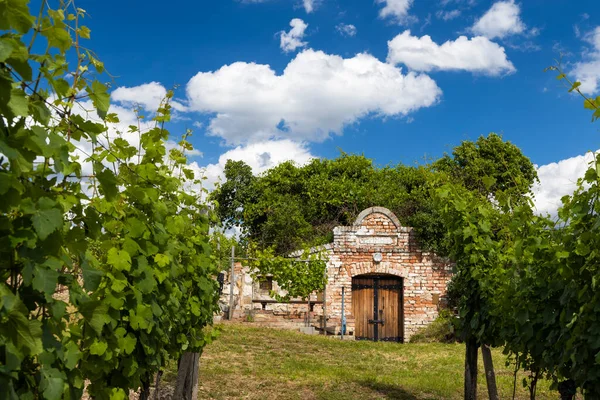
(292, 206)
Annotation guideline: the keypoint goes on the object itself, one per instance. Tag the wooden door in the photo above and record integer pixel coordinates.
(362, 308)
(377, 308)
(390, 309)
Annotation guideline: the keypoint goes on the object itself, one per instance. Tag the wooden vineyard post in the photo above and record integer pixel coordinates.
(231, 283)
(186, 387)
(490, 375)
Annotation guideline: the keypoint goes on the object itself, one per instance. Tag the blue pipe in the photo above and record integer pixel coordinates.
(343, 329)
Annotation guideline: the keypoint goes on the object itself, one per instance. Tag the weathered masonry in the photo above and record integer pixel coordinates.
(391, 288)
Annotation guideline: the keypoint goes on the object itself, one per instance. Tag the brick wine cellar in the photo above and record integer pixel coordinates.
(391, 288)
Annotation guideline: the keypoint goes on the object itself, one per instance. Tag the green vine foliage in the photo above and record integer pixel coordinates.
(126, 244)
(296, 277)
(527, 282)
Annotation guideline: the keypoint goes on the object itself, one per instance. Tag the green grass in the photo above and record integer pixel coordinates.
(260, 363)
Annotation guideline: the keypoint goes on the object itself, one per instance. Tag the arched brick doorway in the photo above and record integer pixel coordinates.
(377, 307)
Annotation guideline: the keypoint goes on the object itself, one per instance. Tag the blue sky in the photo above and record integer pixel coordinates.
(397, 80)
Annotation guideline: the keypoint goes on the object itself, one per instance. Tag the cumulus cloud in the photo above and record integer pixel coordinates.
(290, 41)
(557, 180)
(309, 5)
(477, 54)
(588, 71)
(501, 20)
(346, 29)
(395, 9)
(316, 95)
(148, 96)
(260, 156)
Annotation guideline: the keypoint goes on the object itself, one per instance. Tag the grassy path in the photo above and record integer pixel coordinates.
(261, 363)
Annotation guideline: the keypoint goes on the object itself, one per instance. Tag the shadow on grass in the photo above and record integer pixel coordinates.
(388, 391)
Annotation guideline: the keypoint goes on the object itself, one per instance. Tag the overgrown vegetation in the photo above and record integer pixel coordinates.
(85, 209)
(441, 330)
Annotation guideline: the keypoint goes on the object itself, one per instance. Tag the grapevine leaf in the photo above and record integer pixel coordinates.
(15, 14)
(118, 285)
(72, 355)
(84, 32)
(18, 103)
(19, 61)
(52, 383)
(25, 334)
(44, 279)
(108, 181)
(98, 348)
(127, 343)
(136, 227)
(161, 259)
(46, 221)
(58, 37)
(6, 48)
(574, 86)
(100, 97)
(96, 314)
(118, 394)
(146, 285)
(91, 276)
(119, 259)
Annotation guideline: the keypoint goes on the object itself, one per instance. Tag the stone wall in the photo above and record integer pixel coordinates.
(375, 244)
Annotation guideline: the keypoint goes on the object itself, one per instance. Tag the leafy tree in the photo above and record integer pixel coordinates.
(290, 206)
(490, 165)
(234, 193)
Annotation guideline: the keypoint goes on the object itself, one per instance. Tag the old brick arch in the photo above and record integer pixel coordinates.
(377, 210)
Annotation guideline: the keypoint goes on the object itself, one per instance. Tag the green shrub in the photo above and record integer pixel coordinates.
(440, 330)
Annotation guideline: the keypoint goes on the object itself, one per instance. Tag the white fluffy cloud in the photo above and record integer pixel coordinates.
(557, 180)
(588, 71)
(477, 54)
(346, 29)
(309, 5)
(260, 156)
(316, 95)
(148, 96)
(395, 9)
(501, 20)
(290, 41)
